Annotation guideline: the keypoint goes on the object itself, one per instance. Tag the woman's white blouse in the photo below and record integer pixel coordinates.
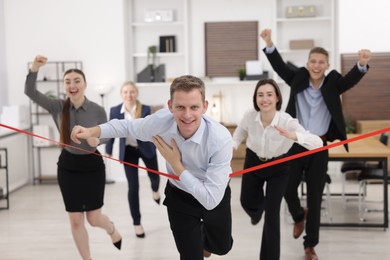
(268, 142)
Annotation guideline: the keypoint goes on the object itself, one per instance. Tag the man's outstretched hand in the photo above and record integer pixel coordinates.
(79, 132)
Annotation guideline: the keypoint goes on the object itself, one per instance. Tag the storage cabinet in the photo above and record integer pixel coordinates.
(148, 20)
(295, 30)
(49, 82)
(4, 181)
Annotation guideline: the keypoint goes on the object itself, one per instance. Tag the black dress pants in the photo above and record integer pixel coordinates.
(132, 155)
(255, 200)
(195, 228)
(314, 168)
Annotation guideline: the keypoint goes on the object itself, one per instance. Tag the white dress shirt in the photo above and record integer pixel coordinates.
(312, 111)
(268, 142)
(130, 140)
(206, 155)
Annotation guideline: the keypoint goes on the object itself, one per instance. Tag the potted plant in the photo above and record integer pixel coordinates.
(350, 124)
(152, 52)
(242, 73)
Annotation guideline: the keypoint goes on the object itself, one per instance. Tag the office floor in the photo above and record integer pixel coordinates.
(36, 227)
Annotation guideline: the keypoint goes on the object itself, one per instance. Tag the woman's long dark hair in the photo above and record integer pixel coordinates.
(65, 118)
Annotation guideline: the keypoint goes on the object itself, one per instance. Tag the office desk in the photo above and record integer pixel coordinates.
(368, 149)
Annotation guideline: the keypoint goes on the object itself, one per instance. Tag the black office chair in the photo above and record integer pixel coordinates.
(372, 174)
(361, 169)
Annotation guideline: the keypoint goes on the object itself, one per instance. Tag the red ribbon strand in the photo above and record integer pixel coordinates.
(234, 174)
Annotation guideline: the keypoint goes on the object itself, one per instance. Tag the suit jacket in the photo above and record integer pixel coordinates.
(146, 148)
(334, 85)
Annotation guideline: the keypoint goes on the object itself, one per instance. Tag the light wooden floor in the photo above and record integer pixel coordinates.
(36, 227)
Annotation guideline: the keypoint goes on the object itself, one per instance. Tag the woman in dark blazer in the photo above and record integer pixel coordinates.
(131, 150)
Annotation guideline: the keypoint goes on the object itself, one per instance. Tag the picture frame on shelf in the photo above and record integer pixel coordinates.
(168, 43)
(155, 16)
(301, 44)
(301, 11)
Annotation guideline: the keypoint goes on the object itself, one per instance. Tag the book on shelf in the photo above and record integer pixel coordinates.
(168, 43)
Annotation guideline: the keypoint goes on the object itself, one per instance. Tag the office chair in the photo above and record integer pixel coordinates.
(372, 174)
(359, 168)
(350, 167)
(369, 176)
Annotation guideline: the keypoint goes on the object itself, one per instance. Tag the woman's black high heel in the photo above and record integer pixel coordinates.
(142, 235)
(117, 244)
(138, 228)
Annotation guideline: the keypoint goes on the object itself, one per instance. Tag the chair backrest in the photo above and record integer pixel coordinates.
(384, 138)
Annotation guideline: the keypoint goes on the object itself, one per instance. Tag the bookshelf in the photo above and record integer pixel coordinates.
(149, 21)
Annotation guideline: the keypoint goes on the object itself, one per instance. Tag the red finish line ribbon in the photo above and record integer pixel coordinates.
(234, 174)
(98, 154)
(299, 155)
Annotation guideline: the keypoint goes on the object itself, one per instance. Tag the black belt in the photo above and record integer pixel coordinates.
(265, 159)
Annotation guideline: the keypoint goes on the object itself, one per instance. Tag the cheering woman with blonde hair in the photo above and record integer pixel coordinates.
(131, 150)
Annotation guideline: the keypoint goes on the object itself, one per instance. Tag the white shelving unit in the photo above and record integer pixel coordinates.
(4, 183)
(142, 34)
(321, 29)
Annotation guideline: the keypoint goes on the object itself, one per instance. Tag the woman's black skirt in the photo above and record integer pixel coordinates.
(82, 181)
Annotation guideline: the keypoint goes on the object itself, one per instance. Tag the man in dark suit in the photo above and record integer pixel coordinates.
(131, 150)
(315, 101)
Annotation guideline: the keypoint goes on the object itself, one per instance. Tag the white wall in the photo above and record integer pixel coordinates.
(88, 30)
(364, 24)
(3, 75)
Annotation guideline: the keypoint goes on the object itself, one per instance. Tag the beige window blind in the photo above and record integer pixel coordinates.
(229, 45)
(369, 99)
